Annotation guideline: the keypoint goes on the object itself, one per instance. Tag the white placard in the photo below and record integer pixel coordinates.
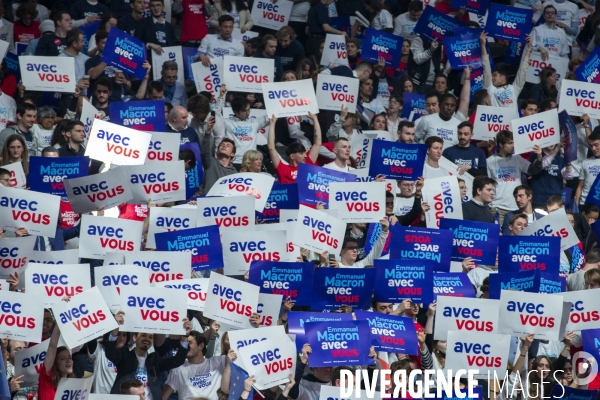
(195, 289)
(239, 339)
(22, 316)
(542, 129)
(48, 74)
(164, 146)
(288, 215)
(100, 235)
(247, 74)
(209, 79)
(358, 201)
(245, 184)
(269, 308)
(85, 317)
(553, 224)
(318, 231)
(452, 169)
(163, 266)
(111, 278)
(536, 64)
(292, 251)
(286, 99)
(230, 301)
(161, 182)
(53, 282)
(55, 257)
(334, 91)
(4, 285)
(114, 258)
(335, 53)
(74, 388)
(29, 361)
(166, 219)
(89, 193)
(116, 144)
(242, 37)
(172, 53)
(443, 196)
(585, 310)
(271, 16)
(491, 120)
(37, 212)
(226, 212)
(88, 114)
(270, 361)
(158, 310)
(579, 98)
(241, 247)
(18, 179)
(485, 352)
(467, 315)
(3, 50)
(14, 254)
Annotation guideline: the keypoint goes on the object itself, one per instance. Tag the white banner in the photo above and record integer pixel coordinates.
(195, 290)
(164, 146)
(317, 231)
(542, 129)
(554, 224)
(226, 212)
(585, 309)
(18, 179)
(160, 181)
(14, 254)
(108, 189)
(242, 37)
(239, 339)
(358, 201)
(88, 114)
(452, 169)
(579, 98)
(247, 74)
(242, 247)
(335, 53)
(209, 79)
(30, 361)
(116, 144)
(334, 91)
(166, 219)
(289, 226)
(536, 64)
(55, 257)
(271, 16)
(230, 301)
(443, 196)
(485, 352)
(286, 99)
(172, 53)
(53, 282)
(37, 212)
(163, 266)
(269, 308)
(467, 315)
(100, 234)
(245, 184)
(270, 361)
(114, 258)
(491, 120)
(48, 74)
(22, 316)
(158, 310)
(111, 278)
(74, 388)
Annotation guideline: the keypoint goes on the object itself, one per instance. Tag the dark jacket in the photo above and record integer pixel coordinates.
(475, 212)
(539, 92)
(508, 216)
(148, 34)
(60, 237)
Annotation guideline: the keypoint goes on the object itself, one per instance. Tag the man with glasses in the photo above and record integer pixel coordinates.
(550, 37)
(441, 124)
(174, 91)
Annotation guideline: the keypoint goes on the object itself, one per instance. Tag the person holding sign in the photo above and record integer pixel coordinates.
(549, 37)
(218, 46)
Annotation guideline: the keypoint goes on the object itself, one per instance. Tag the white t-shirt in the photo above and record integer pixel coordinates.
(198, 380)
(8, 110)
(506, 171)
(589, 171)
(334, 167)
(555, 41)
(405, 26)
(300, 12)
(105, 372)
(383, 20)
(433, 125)
(403, 205)
(431, 172)
(141, 374)
(567, 13)
(504, 96)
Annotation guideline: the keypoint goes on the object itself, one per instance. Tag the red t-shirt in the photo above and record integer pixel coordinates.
(45, 389)
(24, 34)
(193, 20)
(287, 173)
(9, 85)
(68, 217)
(134, 212)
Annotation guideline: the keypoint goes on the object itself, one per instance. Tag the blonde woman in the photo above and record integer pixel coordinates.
(252, 161)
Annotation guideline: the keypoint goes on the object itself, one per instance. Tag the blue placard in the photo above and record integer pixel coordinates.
(378, 44)
(589, 70)
(47, 174)
(521, 281)
(463, 51)
(398, 161)
(338, 343)
(147, 115)
(373, 234)
(193, 176)
(335, 287)
(396, 280)
(12, 63)
(313, 183)
(189, 57)
(508, 23)
(514, 53)
(88, 31)
(526, 253)
(594, 193)
(454, 284)
(569, 134)
(296, 321)
(476, 79)
(414, 104)
(591, 342)
(21, 47)
(552, 283)
(125, 53)
(478, 7)
(477, 240)
(568, 393)
(290, 279)
(341, 23)
(577, 258)
(424, 244)
(204, 243)
(390, 333)
(282, 197)
(434, 24)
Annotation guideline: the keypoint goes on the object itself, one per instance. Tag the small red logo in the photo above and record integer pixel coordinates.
(57, 42)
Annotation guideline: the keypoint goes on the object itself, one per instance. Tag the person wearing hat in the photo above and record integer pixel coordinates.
(47, 28)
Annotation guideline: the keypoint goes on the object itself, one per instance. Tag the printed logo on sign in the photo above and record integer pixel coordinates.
(584, 98)
(272, 361)
(231, 300)
(56, 285)
(11, 316)
(98, 192)
(152, 309)
(254, 251)
(340, 50)
(288, 98)
(14, 261)
(242, 185)
(155, 152)
(120, 145)
(114, 238)
(468, 319)
(357, 201)
(248, 73)
(154, 183)
(159, 271)
(531, 314)
(47, 73)
(478, 355)
(320, 231)
(81, 318)
(338, 91)
(495, 123)
(270, 11)
(116, 280)
(24, 210)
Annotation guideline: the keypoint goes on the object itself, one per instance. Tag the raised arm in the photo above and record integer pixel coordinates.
(271, 143)
(141, 93)
(52, 346)
(314, 150)
(226, 377)
(485, 61)
(521, 73)
(465, 93)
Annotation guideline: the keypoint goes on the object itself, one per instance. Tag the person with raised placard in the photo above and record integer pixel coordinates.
(220, 45)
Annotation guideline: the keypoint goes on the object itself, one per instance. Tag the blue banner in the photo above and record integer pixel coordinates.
(591, 342)
(313, 183)
(341, 23)
(290, 279)
(477, 240)
(381, 44)
(455, 284)
(589, 70)
(552, 283)
(125, 53)
(594, 193)
(478, 7)
(424, 244)
(398, 161)
(529, 281)
(204, 244)
(336, 287)
(194, 176)
(569, 135)
(338, 343)
(508, 23)
(396, 280)
(88, 31)
(514, 53)
(414, 104)
(463, 51)
(568, 393)
(147, 115)
(434, 24)
(390, 333)
(12, 63)
(47, 174)
(282, 197)
(296, 321)
(476, 81)
(577, 258)
(189, 57)
(373, 234)
(526, 253)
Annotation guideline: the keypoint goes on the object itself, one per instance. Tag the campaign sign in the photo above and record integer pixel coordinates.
(463, 51)
(31, 360)
(527, 281)
(334, 91)
(296, 321)
(110, 279)
(334, 53)
(172, 53)
(111, 143)
(569, 135)
(125, 53)
(48, 74)
(245, 337)
(318, 231)
(455, 284)
(289, 279)
(414, 106)
(525, 253)
(196, 290)
(88, 114)
(84, 317)
(523, 313)
(485, 352)
(313, 183)
(226, 212)
(247, 74)
(203, 243)
(14, 254)
(508, 23)
(288, 99)
(338, 343)
(47, 174)
(443, 196)
(209, 79)
(159, 310)
(270, 361)
(554, 224)
(390, 333)
(269, 308)
(55, 257)
(435, 25)
(167, 219)
(585, 310)
(335, 287)
(536, 64)
(540, 129)
(161, 182)
(477, 240)
(589, 70)
(18, 179)
(569, 393)
(242, 37)
(594, 192)
(22, 316)
(282, 197)
(579, 98)
(476, 79)
(423, 244)
(478, 7)
(74, 388)
(147, 115)
(230, 301)
(267, 14)
(490, 120)
(396, 280)
(242, 247)
(358, 201)
(551, 283)
(100, 235)
(164, 146)
(163, 266)
(245, 184)
(465, 315)
(53, 282)
(89, 193)
(591, 342)
(395, 160)
(37, 212)
(380, 44)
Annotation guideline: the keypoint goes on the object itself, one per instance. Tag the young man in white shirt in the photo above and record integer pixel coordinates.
(405, 23)
(223, 44)
(341, 149)
(404, 200)
(589, 168)
(442, 124)
(432, 168)
(550, 38)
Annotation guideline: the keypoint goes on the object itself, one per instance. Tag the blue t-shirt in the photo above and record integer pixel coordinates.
(548, 182)
(472, 155)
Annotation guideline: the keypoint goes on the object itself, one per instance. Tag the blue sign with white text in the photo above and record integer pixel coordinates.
(509, 23)
(378, 44)
(526, 253)
(435, 25)
(476, 240)
(463, 51)
(297, 319)
(424, 244)
(125, 53)
(313, 183)
(398, 161)
(289, 279)
(390, 333)
(282, 197)
(396, 280)
(454, 284)
(478, 7)
(147, 115)
(338, 343)
(336, 287)
(204, 243)
(47, 174)
(414, 106)
(589, 70)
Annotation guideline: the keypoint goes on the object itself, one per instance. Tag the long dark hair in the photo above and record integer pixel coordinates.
(545, 73)
(57, 135)
(104, 20)
(239, 5)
